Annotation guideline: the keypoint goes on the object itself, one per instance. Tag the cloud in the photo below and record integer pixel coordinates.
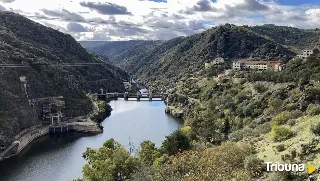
(76, 27)
(106, 8)
(200, 6)
(2, 8)
(203, 5)
(149, 19)
(7, 1)
(252, 5)
(63, 14)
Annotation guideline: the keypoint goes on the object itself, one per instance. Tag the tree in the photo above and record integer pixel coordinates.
(110, 162)
(175, 142)
(148, 152)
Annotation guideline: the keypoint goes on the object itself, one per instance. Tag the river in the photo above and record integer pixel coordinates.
(59, 159)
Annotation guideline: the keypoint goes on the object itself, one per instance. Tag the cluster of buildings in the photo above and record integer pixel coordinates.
(275, 65)
(246, 64)
(52, 108)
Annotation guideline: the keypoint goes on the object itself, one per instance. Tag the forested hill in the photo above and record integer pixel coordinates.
(121, 52)
(173, 59)
(40, 52)
(294, 38)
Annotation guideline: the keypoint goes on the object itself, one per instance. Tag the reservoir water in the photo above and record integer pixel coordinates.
(59, 159)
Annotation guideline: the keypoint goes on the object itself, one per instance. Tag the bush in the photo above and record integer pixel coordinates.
(175, 143)
(245, 133)
(281, 133)
(260, 88)
(253, 165)
(281, 119)
(315, 127)
(281, 147)
(275, 104)
(291, 107)
(313, 109)
(161, 160)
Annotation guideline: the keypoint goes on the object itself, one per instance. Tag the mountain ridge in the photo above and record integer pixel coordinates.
(37, 53)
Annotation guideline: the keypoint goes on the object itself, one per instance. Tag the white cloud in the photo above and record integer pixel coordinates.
(144, 19)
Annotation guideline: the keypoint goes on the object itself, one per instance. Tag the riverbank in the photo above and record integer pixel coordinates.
(23, 140)
(82, 124)
(174, 111)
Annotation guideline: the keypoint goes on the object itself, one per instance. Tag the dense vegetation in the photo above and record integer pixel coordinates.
(294, 38)
(42, 50)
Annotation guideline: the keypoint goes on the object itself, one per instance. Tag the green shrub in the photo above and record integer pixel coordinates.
(275, 104)
(315, 127)
(281, 147)
(253, 165)
(281, 119)
(161, 160)
(313, 109)
(260, 88)
(175, 142)
(290, 107)
(281, 133)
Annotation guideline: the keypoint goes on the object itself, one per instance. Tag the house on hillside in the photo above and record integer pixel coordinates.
(310, 52)
(218, 61)
(257, 65)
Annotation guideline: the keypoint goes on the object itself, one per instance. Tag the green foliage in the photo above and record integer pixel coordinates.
(186, 130)
(110, 162)
(148, 152)
(313, 109)
(253, 165)
(281, 119)
(161, 160)
(315, 127)
(275, 104)
(281, 133)
(225, 162)
(101, 106)
(260, 88)
(175, 143)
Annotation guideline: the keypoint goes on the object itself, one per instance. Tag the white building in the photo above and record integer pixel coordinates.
(307, 53)
(218, 61)
(257, 65)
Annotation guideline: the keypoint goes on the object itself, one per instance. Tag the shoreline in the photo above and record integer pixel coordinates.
(81, 124)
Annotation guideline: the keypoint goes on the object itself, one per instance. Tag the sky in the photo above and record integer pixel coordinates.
(160, 19)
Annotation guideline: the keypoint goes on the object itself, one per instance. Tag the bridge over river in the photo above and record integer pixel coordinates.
(126, 95)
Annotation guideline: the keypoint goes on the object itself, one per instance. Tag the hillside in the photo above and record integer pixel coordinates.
(170, 60)
(40, 51)
(121, 53)
(228, 41)
(294, 38)
(174, 59)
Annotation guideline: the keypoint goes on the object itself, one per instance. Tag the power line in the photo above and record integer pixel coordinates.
(49, 65)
